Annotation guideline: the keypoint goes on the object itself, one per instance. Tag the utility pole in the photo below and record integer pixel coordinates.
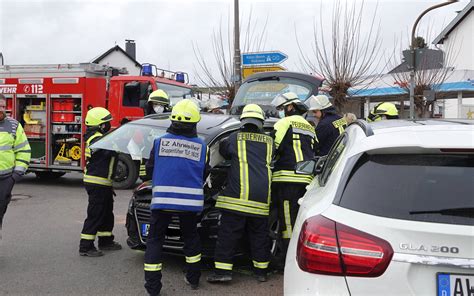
(415, 55)
(1, 57)
(237, 58)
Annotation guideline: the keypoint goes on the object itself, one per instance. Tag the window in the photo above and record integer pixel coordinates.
(263, 92)
(332, 158)
(413, 187)
(175, 93)
(135, 94)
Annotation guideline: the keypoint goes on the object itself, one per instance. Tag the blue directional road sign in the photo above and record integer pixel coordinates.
(263, 58)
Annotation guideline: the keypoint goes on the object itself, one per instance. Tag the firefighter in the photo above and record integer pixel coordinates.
(245, 201)
(15, 156)
(98, 174)
(158, 102)
(330, 124)
(178, 163)
(382, 111)
(295, 141)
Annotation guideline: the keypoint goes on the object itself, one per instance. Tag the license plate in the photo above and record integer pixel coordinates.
(453, 284)
(145, 228)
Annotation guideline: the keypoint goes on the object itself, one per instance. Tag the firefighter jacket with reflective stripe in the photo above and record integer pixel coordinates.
(295, 141)
(100, 163)
(328, 129)
(15, 150)
(249, 177)
(178, 174)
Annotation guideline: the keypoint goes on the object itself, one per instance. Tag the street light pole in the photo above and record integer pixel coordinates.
(237, 58)
(413, 48)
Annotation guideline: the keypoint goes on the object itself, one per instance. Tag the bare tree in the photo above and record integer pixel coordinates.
(348, 58)
(434, 66)
(221, 80)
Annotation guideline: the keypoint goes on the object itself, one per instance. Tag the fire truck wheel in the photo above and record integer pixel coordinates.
(49, 175)
(126, 174)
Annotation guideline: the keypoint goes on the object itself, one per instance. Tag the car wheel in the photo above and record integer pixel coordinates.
(275, 235)
(126, 174)
(49, 175)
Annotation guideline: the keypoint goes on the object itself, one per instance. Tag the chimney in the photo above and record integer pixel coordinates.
(130, 48)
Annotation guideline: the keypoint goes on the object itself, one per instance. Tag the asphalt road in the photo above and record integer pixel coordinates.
(39, 251)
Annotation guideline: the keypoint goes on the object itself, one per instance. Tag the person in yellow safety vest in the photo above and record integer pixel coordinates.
(98, 175)
(158, 102)
(15, 156)
(245, 201)
(330, 124)
(382, 111)
(295, 141)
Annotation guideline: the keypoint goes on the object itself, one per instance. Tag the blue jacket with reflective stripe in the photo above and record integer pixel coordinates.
(179, 164)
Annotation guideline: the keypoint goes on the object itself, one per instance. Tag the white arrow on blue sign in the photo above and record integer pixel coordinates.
(263, 58)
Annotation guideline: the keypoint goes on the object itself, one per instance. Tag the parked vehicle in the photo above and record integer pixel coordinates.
(391, 212)
(136, 138)
(52, 100)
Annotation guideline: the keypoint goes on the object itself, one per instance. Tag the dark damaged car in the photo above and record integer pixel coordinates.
(136, 139)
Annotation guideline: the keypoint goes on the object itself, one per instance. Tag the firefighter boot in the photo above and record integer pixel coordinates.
(193, 286)
(219, 278)
(93, 252)
(113, 246)
(260, 277)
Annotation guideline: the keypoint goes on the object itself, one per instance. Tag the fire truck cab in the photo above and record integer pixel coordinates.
(51, 102)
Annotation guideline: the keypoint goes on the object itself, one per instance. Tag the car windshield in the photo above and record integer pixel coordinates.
(133, 139)
(430, 188)
(262, 92)
(175, 93)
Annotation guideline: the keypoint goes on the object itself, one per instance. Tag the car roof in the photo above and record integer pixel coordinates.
(412, 135)
(296, 75)
(209, 123)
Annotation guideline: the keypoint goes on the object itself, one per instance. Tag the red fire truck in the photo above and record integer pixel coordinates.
(51, 102)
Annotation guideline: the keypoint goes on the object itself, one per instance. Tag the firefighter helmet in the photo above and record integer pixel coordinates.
(159, 97)
(319, 102)
(185, 111)
(389, 110)
(253, 114)
(98, 115)
(285, 99)
(252, 111)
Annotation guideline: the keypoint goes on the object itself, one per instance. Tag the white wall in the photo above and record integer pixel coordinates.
(461, 44)
(119, 60)
(453, 108)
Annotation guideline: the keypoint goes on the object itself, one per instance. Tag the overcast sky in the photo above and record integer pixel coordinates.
(73, 31)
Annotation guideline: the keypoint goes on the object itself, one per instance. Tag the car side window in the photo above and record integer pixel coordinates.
(332, 158)
(214, 155)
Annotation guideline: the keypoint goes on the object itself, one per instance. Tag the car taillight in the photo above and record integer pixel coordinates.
(327, 247)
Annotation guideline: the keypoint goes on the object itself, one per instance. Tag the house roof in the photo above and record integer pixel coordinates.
(382, 89)
(115, 48)
(454, 23)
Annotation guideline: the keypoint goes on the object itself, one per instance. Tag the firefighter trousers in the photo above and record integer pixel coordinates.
(285, 198)
(232, 227)
(100, 217)
(156, 236)
(6, 187)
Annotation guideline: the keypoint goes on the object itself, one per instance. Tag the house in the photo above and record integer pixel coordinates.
(455, 96)
(119, 58)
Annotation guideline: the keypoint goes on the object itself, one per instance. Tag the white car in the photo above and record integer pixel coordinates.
(390, 212)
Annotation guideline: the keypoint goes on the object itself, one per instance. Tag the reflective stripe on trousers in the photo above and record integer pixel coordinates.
(286, 211)
(152, 267)
(224, 266)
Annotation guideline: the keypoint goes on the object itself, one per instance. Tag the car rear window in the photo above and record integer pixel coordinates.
(430, 188)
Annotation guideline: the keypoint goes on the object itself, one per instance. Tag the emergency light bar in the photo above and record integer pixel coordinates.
(153, 70)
